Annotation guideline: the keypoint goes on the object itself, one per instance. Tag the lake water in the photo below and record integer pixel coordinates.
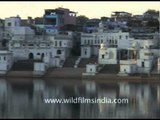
(26, 99)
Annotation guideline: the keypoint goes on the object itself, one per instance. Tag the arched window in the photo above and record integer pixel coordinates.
(55, 43)
(101, 41)
(120, 37)
(85, 52)
(31, 56)
(88, 42)
(95, 41)
(42, 56)
(59, 52)
(115, 41)
(98, 41)
(126, 37)
(60, 43)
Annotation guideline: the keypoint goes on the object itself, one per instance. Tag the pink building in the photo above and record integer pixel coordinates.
(68, 16)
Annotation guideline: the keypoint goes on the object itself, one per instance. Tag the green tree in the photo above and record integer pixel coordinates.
(81, 20)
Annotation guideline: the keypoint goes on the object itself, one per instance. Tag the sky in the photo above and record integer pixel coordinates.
(89, 9)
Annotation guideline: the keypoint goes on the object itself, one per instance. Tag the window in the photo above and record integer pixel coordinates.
(4, 58)
(115, 41)
(55, 43)
(59, 52)
(102, 56)
(9, 24)
(38, 53)
(30, 45)
(126, 37)
(88, 42)
(101, 41)
(95, 41)
(120, 37)
(85, 52)
(98, 41)
(142, 64)
(91, 42)
(112, 41)
(60, 43)
(90, 69)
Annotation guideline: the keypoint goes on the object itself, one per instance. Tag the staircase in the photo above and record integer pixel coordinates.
(70, 62)
(85, 61)
(110, 68)
(23, 65)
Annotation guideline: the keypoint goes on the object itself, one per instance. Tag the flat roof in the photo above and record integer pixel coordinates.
(5, 52)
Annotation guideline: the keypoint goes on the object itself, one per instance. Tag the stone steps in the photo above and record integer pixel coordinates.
(23, 66)
(70, 62)
(110, 68)
(85, 61)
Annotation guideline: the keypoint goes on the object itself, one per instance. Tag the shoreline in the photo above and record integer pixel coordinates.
(72, 73)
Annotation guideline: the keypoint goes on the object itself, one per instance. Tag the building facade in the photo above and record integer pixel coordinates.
(90, 42)
(52, 50)
(55, 19)
(6, 61)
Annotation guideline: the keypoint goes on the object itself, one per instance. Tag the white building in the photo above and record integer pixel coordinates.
(141, 63)
(14, 29)
(145, 61)
(107, 55)
(91, 69)
(61, 48)
(12, 21)
(6, 61)
(143, 42)
(90, 42)
(132, 60)
(52, 50)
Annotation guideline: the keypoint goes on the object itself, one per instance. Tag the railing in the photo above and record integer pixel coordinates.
(77, 62)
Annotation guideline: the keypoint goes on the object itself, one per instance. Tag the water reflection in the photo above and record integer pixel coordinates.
(19, 100)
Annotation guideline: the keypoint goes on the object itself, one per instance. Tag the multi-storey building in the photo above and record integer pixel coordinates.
(54, 19)
(53, 50)
(90, 42)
